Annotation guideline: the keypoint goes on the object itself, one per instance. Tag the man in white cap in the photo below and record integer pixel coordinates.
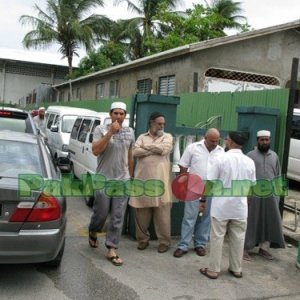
(264, 228)
(112, 144)
(40, 121)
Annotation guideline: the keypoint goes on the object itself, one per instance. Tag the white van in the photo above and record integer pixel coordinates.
(293, 171)
(59, 124)
(82, 159)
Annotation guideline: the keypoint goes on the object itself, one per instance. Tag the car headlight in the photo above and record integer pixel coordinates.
(65, 148)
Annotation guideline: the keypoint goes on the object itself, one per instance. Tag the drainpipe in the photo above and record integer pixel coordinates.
(3, 82)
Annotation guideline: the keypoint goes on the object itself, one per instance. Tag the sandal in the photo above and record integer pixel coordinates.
(204, 271)
(235, 274)
(115, 260)
(93, 241)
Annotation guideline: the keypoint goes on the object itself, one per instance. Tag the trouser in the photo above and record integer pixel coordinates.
(236, 230)
(161, 219)
(193, 224)
(103, 205)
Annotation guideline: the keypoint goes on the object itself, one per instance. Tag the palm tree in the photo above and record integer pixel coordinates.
(142, 29)
(229, 13)
(64, 23)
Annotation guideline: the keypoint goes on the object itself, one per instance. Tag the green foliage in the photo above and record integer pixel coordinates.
(157, 28)
(64, 23)
(108, 55)
(197, 24)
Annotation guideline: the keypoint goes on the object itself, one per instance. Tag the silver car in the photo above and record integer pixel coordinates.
(16, 120)
(32, 216)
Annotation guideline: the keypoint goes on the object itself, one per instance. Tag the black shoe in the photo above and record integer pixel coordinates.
(179, 252)
(200, 251)
(142, 245)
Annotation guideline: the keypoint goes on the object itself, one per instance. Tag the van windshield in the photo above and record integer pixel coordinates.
(67, 123)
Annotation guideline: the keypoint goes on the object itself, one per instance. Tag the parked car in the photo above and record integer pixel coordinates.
(80, 146)
(32, 221)
(59, 124)
(16, 120)
(293, 171)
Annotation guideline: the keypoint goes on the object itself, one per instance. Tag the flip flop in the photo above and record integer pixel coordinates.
(204, 271)
(114, 260)
(93, 241)
(235, 274)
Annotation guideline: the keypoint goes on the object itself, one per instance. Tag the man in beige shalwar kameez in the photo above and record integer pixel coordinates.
(152, 150)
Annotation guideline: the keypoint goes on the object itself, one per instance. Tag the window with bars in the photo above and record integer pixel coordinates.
(167, 85)
(241, 76)
(144, 86)
(114, 89)
(100, 91)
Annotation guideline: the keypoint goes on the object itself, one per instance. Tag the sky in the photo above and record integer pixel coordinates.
(259, 13)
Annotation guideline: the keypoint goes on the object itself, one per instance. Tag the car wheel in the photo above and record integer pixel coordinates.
(57, 260)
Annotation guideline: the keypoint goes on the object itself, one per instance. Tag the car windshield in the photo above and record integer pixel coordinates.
(15, 121)
(67, 123)
(19, 158)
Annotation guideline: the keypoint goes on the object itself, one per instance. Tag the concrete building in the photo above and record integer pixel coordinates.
(26, 81)
(259, 59)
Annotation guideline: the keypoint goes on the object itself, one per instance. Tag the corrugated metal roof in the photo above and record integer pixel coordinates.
(192, 48)
(34, 57)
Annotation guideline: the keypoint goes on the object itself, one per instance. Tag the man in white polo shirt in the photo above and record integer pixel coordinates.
(196, 159)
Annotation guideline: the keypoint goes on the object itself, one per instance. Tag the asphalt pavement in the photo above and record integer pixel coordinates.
(149, 275)
(153, 275)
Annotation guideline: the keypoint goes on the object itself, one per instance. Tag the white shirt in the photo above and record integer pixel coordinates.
(40, 124)
(233, 169)
(197, 158)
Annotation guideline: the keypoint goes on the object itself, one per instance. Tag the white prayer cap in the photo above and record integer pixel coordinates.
(120, 105)
(263, 133)
(41, 108)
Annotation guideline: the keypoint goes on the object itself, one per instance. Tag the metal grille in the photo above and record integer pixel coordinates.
(35, 70)
(240, 76)
(167, 85)
(28, 70)
(100, 91)
(144, 86)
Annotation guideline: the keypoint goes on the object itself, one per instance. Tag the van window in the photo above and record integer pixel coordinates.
(96, 123)
(84, 129)
(296, 127)
(50, 120)
(75, 129)
(67, 123)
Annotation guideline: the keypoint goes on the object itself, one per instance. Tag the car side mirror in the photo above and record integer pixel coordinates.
(54, 128)
(91, 138)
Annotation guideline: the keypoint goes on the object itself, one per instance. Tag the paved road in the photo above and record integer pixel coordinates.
(85, 273)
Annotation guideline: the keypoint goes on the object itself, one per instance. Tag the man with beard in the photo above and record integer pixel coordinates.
(40, 121)
(264, 228)
(152, 150)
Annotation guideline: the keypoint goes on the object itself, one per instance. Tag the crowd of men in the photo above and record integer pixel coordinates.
(247, 219)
